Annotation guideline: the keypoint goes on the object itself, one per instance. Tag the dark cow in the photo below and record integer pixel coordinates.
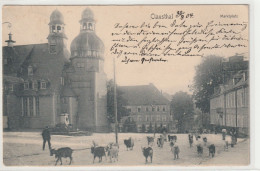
(98, 152)
(150, 140)
(62, 152)
(129, 143)
(212, 150)
(172, 137)
(147, 152)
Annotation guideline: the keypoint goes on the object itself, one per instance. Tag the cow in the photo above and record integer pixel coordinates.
(61, 152)
(150, 140)
(147, 152)
(98, 152)
(160, 142)
(113, 150)
(212, 150)
(129, 143)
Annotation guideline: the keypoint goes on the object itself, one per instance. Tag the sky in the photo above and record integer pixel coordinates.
(30, 26)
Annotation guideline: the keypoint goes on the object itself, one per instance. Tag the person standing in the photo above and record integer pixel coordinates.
(46, 136)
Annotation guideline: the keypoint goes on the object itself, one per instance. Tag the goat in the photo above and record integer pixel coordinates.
(98, 152)
(212, 150)
(172, 137)
(62, 152)
(129, 143)
(160, 142)
(147, 152)
(150, 140)
(113, 150)
(175, 150)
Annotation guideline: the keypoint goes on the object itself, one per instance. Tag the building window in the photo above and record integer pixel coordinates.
(242, 99)
(11, 87)
(25, 106)
(139, 109)
(35, 85)
(80, 65)
(53, 29)
(158, 118)
(43, 85)
(164, 108)
(90, 26)
(26, 86)
(61, 80)
(153, 108)
(5, 61)
(52, 48)
(30, 71)
(84, 26)
(37, 106)
(31, 106)
(129, 110)
(163, 118)
(146, 109)
(58, 29)
(158, 108)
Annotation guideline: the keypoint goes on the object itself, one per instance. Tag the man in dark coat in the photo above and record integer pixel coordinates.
(46, 136)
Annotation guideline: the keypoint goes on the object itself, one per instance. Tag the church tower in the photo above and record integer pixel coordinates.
(57, 38)
(87, 77)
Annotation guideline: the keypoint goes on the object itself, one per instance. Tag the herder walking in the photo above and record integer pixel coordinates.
(46, 136)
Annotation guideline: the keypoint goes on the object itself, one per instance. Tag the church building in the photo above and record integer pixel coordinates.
(45, 82)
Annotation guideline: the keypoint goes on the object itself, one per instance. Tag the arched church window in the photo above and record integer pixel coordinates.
(84, 26)
(58, 29)
(90, 26)
(53, 29)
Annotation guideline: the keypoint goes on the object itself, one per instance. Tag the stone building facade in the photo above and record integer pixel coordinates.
(147, 106)
(229, 106)
(44, 81)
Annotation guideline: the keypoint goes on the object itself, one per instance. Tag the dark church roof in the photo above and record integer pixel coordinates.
(143, 95)
(46, 66)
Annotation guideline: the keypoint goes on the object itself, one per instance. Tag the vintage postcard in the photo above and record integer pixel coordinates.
(128, 85)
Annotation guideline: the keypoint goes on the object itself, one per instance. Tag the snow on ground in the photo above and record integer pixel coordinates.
(25, 149)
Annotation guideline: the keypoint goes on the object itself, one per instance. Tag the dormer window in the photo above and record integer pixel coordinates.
(30, 71)
(43, 85)
(26, 86)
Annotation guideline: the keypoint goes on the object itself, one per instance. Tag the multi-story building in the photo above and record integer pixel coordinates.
(229, 106)
(147, 106)
(44, 81)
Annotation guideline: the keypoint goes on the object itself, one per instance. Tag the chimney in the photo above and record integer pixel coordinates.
(10, 42)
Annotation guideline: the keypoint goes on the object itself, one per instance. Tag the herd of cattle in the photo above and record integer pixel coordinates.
(112, 149)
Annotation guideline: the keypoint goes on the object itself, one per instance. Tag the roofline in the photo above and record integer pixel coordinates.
(26, 45)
